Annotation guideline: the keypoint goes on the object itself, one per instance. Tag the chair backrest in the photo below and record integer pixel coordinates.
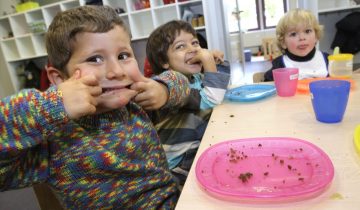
(271, 50)
(46, 197)
(258, 77)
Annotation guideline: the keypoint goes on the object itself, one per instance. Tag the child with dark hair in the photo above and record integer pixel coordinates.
(174, 46)
(84, 136)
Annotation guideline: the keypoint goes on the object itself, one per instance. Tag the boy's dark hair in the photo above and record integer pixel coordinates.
(66, 25)
(161, 39)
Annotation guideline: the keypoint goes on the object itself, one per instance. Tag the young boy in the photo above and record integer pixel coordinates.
(297, 33)
(84, 136)
(174, 46)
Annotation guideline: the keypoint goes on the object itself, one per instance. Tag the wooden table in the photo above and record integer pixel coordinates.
(285, 117)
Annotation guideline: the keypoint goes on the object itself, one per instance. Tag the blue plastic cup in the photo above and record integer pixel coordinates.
(329, 99)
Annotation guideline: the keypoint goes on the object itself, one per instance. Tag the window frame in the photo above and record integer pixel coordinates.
(258, 18)
(263, 16)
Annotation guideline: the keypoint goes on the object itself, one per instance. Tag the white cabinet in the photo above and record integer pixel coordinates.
(143, 21)
(22, 34)
(22, 37)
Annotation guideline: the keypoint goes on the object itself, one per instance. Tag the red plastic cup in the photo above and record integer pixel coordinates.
(286, 81)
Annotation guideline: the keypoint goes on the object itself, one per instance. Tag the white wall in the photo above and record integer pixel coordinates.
(6, 87)
(5, 6)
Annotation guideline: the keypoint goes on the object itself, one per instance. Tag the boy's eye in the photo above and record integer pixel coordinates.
(123, 56)
(196, 43)
(179, 46)
(95, 59)
(308, 31)
(292, 34)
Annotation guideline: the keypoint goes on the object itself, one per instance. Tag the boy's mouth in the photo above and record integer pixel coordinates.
(197, 63)
(109, 89)
(189, 63)
(302, 47)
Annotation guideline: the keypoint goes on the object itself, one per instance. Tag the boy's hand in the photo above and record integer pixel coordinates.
(79, 95)
(206, 58)
(152, 94)
(218, 56)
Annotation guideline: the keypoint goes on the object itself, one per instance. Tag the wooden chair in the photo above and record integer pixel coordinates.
(271, 50)
(258, 77)
(46, 198)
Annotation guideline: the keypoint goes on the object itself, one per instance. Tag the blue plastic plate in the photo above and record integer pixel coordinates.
(248, 93)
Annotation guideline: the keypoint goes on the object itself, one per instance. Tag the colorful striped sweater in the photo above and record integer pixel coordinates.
(108, 161)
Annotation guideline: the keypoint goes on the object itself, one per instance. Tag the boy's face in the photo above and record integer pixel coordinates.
(300, 40)
(110, 59)
(184, 47)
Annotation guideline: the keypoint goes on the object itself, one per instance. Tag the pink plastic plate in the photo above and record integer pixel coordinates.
(269, 169)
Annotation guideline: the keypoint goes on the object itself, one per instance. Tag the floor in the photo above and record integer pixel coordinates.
(25, 199)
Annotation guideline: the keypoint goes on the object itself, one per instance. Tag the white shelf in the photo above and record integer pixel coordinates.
(200, 28)
(19, 25)
(141, 23)
(68, 5)
(25, 46)
(164, 14)
(116, 4)
(9, 46)
(39, 44)
(34, 15)
(27, 30)
(339, 9)
(49, 13)
(189, 3)
(5, 28)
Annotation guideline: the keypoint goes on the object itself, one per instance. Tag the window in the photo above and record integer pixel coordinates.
(274, 10)
(254, 14)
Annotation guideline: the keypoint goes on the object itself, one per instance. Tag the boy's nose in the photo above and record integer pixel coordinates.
(192, 49)
(115, 71)
(302, 36)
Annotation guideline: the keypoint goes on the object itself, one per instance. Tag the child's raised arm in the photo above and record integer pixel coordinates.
(152, 94)
(170, 88)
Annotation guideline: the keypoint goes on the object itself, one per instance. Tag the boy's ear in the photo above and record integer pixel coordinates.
(54, 75)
